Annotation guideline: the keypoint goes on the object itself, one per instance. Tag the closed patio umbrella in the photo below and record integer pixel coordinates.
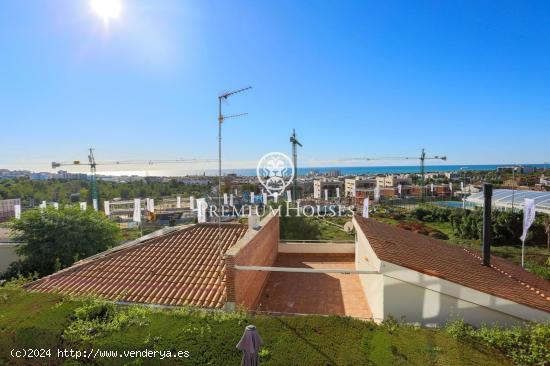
(250, 345)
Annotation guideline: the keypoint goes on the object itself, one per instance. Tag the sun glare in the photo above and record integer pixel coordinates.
(107, 10)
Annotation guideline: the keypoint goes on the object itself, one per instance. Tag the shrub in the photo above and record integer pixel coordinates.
(390, 324)
(541, 270)
(432, 213)
(459, 330)
(97, 317)
(525, 345)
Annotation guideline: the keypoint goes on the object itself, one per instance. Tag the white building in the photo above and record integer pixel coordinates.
(352, 184)
(393, 180)
(320, 185)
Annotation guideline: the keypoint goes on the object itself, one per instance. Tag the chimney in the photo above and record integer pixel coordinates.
(487, 229)
(253, 222)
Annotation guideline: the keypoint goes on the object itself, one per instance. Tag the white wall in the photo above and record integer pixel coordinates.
(430, 300)
(373, 284)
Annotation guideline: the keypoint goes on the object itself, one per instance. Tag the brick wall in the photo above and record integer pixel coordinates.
(256, 248)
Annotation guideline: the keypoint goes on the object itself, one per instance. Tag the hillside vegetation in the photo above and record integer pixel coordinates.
(32, 192)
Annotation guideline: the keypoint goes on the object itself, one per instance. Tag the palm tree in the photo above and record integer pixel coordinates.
(547, 229)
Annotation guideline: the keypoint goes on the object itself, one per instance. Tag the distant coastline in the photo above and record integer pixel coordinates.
(302, 171)
(356, 170)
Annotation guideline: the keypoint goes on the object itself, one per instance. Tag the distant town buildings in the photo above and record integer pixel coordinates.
(332, 186)
(352, 185)
(393, 180)
(7, 208)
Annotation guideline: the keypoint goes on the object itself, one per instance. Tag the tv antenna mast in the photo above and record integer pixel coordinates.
(295, 143)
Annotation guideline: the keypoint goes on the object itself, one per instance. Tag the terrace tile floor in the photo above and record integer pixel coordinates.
(314, 293)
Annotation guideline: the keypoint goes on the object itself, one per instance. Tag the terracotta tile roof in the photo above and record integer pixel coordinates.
(456, 264)
(180, 268)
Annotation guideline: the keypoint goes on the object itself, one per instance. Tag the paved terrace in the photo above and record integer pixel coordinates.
(314, 293)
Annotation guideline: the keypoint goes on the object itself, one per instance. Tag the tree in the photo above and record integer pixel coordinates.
(55, 239)
(294, 227)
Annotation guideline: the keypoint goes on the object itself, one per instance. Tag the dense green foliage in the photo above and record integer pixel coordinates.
(50, 321)
(66, 191)
(526, 345)
(468, 224)
(294, 227)
(54, 239)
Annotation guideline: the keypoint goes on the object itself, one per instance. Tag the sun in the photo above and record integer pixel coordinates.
(107, 10)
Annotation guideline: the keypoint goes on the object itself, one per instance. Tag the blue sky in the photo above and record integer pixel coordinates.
(355, 78)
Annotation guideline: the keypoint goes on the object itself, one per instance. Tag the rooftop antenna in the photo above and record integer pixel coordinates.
(295, 143)
(221, 119)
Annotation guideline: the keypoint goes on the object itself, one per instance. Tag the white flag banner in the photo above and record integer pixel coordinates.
(450, 186)
(377, 194)
(399, 188)
(178, 202)
(236, 193)
(337, 192)
(151, 205)
(432, 187)
(276, 197)
(264, 198)
(83, 206)
(326, 194)
(94, 203)
(56, 205)
(366, 207)
(528, 216)
(17, 209)
(462, 186)
(288, 196)
(137, 210)
(528, 219)
(316, 192)
(107, 208)
(353, 191)
(201, 210)
(231, 200)
(192, 203)
(225, 200)
(252, 198)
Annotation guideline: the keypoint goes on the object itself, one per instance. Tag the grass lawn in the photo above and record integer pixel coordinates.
(331, 228)
(48, 321)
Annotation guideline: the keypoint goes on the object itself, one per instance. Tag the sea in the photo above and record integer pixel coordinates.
(371, 170)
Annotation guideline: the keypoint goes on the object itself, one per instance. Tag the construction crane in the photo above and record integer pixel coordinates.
(422, 158)
(295, 143)
(93, 165)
